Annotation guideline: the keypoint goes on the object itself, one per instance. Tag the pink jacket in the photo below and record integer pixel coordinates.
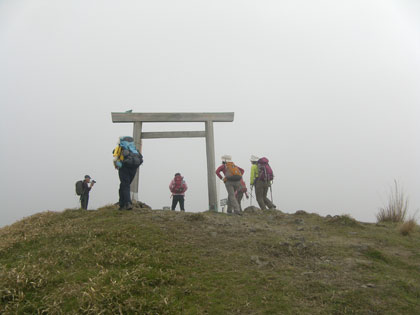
(172, 184)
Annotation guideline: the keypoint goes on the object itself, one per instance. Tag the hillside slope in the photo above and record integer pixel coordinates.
(161, 262)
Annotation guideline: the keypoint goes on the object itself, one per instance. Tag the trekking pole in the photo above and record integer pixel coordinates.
(252, 197)
(250, 201)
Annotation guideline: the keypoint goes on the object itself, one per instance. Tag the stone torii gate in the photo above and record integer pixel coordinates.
(207, 118)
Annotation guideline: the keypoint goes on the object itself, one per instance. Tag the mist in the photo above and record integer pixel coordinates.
(327, 90)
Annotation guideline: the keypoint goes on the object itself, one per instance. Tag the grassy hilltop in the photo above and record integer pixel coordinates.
(161, 262)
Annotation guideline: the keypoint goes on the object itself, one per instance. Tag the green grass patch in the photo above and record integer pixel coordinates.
(164, 262)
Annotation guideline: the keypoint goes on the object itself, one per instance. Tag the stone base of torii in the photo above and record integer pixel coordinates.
(207, 118)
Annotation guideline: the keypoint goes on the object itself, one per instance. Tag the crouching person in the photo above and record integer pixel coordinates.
(127, 160)
(178, 187)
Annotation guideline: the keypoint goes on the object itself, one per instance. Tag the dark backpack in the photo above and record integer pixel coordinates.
(132, 157)
(79, 187)
(265, 172)
(178, 186)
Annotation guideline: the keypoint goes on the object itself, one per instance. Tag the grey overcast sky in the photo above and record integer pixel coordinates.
(328, 90)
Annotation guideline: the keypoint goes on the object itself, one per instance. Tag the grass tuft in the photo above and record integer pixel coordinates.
(408, 227)
(396, 208)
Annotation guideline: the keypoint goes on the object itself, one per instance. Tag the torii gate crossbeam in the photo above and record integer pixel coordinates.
(207, 118)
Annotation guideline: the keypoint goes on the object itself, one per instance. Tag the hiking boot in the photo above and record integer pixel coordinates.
(128, 206)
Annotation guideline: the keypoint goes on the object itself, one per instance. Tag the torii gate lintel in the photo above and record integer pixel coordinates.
(207, 118)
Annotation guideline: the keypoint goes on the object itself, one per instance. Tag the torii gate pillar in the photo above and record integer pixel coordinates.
(208, 118)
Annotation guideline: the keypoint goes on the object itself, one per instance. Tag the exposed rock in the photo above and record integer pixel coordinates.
(298, 221)
(368, 285)
(252, 209)
(141, 205)
(297, 237)
(360, 247)
(258, 261)
(299, 245)
(137, 204)
(301, 212)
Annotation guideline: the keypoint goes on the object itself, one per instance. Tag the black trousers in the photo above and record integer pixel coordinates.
(176, 199)
(84, 200)
(126, 175)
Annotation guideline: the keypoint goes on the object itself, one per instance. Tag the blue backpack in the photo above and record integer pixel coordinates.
(132, 157)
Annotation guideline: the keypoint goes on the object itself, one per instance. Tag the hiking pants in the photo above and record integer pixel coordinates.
(231, 187)
(239, 196)
(84, 200)
(176, 199)
(261, 190)
(126, 175)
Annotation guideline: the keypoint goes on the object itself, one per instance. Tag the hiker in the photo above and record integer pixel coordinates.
(254, 172)
(263, 183)
(240, 193)
(127, 160)
(232, 179)
(84, 196)
(178, 187)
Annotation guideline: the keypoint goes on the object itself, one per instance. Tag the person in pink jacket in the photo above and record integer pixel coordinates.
(178, 187)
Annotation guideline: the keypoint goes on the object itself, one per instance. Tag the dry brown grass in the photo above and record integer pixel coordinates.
(396, 208)
(408, 227)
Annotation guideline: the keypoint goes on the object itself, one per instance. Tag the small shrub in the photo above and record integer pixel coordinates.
(408, 227)
(397, 207)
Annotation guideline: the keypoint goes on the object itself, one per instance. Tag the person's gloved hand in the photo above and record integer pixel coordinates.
(118, 164)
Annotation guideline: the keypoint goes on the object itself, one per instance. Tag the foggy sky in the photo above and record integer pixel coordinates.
(328, 90)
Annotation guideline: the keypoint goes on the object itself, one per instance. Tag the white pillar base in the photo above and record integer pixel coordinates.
(134, 196)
